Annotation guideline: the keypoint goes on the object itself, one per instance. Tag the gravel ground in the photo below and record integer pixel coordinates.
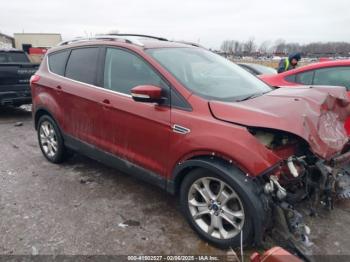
(85, 208)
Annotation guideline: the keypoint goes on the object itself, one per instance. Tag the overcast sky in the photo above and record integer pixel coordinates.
(207, 21)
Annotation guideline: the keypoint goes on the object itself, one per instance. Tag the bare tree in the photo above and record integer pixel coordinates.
(249, 46)
(238, 48)
(229, 47)
(264, 47)
(317, 49)
(225, 46)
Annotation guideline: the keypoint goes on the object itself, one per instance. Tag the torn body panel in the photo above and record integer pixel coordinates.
(305, 129)
(316, 114)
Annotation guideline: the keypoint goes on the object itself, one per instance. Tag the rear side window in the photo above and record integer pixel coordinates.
(57, 62)
(304, 78)
(335, 76)
(82, 65)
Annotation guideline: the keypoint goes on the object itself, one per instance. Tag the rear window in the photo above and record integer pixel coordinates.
(13, 57)
(82, 65)
(57, 62)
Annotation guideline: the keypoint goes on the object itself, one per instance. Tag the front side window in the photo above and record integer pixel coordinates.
(124, 71)
(335, 76)
(82, 65)
(209, 75)
(57, 62)
(304, 78)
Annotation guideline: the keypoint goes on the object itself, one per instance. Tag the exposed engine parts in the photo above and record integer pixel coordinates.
(274, 186)
(293, 170)
(342, 186)
(303, 179)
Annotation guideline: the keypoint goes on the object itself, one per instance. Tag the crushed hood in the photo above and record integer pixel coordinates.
(316, 114)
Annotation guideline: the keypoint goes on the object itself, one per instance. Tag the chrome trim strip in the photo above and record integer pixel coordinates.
(180, 129)
(76, 81)
(140, 95)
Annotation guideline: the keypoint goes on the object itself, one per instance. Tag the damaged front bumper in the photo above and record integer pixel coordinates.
(302, 186)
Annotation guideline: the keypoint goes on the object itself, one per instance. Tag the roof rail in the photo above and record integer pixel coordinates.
(127, 38)
(189, 43)
(142, 36)
(101, 37)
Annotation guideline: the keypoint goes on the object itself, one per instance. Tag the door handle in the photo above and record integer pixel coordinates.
(106, 102)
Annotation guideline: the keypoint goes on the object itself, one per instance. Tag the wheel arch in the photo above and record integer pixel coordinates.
(41, 111)
(221, 166)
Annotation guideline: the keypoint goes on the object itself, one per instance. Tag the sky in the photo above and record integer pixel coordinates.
(208, 22)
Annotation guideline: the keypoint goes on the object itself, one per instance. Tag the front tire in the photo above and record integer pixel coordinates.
(50, 140)
(214, 208)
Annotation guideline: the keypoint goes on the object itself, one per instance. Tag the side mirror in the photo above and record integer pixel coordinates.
(147, 94)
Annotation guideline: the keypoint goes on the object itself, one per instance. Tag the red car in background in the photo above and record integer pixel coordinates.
(334, 73)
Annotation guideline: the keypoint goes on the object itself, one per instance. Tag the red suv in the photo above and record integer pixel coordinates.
(237, 153)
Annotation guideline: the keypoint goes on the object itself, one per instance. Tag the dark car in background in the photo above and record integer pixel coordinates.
(257, 69)
(15, 72)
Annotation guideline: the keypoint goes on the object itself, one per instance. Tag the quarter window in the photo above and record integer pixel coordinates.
(57, 62)
(82, 65)
(335, 76)
(124, 70)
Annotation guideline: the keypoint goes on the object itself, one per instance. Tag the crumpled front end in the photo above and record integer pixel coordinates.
(315, 114)
(327, 137)
(305, 129)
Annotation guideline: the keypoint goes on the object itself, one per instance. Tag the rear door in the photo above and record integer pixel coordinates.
(137, 132)
(76, 92)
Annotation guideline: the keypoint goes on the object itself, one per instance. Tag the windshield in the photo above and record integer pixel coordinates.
(13, 57)
(209, 75)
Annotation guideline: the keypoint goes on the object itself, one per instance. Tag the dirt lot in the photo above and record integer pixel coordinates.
(82, 207)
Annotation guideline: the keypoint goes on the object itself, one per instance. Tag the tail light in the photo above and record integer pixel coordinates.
(34, 79)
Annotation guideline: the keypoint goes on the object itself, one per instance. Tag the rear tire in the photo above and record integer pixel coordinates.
(50, 140)
(214, 208)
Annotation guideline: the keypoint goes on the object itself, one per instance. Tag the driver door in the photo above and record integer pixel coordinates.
(136, 132)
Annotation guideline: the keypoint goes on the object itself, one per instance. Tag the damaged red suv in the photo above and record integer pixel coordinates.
(238, 154)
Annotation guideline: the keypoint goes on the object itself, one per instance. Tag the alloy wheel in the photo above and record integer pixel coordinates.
(216, 208)
(48, 139)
